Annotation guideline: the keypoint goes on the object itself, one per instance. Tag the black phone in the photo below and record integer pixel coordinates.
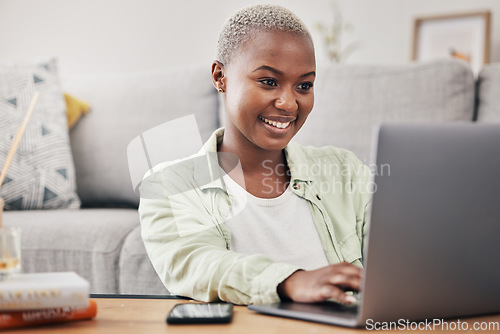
(204, 313)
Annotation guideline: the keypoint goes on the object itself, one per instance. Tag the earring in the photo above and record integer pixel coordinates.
(221, 90)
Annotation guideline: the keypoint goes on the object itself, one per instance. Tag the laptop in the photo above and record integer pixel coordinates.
(434, 236)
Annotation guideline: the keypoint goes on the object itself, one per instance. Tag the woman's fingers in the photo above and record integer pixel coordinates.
(345, 276)
(329, 282)
(341, 281)
(345, 281)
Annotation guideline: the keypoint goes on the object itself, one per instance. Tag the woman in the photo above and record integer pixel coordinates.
(289, 222)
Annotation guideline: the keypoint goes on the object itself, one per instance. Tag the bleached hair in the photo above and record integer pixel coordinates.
(240, 27)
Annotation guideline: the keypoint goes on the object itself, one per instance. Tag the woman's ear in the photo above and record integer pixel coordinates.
(218, 76)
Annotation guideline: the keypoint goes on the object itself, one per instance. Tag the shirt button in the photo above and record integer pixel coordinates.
(296, 186)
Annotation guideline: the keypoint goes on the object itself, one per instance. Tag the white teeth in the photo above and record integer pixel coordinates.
(279, 125)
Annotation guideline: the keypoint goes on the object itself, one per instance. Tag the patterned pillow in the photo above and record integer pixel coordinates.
(41, 175)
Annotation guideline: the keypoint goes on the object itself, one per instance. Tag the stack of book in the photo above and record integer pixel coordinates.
(43, 298)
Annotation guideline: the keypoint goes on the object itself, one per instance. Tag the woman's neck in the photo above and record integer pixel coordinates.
(263, 173)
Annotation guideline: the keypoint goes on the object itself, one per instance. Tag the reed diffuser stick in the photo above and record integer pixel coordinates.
(14, 146)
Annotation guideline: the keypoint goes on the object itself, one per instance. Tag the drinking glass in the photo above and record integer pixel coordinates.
(10, 251)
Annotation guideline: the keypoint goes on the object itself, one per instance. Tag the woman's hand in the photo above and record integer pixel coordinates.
(321, 284)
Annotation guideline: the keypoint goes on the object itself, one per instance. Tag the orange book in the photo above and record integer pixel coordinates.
(47, 316)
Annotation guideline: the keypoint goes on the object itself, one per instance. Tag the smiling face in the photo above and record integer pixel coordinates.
(268, 90)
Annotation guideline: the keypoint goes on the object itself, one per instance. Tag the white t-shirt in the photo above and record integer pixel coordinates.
(281, 228)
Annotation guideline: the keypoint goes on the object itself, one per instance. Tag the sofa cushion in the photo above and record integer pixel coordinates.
(87, 241)
(489, 94)
(41, 175)
(124, 106)
(350, 100)
(137, 275)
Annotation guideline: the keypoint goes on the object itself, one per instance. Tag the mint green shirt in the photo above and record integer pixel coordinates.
(184, 206)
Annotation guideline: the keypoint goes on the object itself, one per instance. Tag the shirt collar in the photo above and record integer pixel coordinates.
(298, 163)
(209, 150)
(296, 160)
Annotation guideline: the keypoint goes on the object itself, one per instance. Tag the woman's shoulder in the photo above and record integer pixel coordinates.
(194, 172)
(177, 166)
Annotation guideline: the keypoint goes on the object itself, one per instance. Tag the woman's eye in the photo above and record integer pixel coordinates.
(305, 86)
(269, 82)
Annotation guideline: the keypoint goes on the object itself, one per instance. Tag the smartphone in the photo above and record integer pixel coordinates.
(204, 313)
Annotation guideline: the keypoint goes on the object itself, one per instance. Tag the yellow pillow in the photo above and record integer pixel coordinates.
(74, 109)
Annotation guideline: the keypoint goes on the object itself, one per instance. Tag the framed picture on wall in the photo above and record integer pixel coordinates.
(464, 36)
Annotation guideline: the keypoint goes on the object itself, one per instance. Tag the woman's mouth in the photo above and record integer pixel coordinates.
(276, 124)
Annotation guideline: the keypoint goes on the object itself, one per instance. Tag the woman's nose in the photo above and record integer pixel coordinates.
(286, 102)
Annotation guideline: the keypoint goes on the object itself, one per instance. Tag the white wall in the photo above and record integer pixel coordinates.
(385, 27)
(133, 35)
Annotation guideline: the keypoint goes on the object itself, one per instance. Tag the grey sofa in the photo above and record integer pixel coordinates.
(102, 241)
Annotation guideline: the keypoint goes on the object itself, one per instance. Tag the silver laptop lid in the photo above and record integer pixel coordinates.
(434, 237)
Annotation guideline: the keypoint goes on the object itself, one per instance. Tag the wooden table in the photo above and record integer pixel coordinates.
(147, 316)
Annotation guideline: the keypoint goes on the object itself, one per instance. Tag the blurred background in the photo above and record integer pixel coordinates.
(104, 36)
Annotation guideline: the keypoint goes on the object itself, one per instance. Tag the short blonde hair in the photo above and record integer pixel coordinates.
(243, 24)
